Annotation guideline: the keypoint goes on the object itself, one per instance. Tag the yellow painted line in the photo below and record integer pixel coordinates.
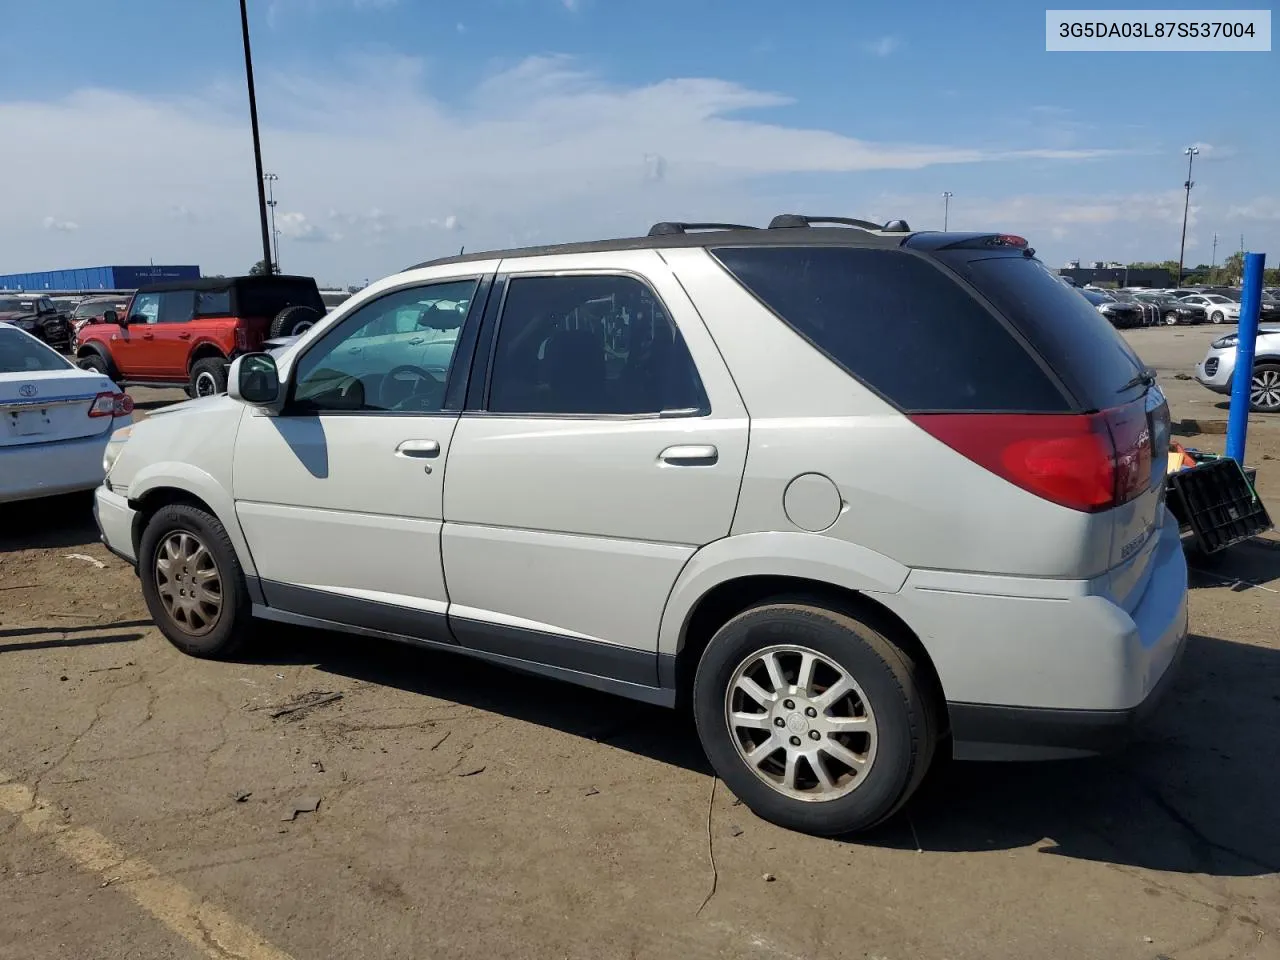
(208, 928)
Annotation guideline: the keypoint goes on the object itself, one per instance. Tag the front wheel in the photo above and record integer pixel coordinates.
(193, 583)
(1264, 388)
(818, 722)
(1171, 319)
(1217, 317)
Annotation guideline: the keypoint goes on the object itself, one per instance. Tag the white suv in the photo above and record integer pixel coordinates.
(859, 495)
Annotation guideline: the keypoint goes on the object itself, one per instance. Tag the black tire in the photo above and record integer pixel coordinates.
(1265, 375)
(232, 625)
(292, 321)
(208, 377)
(895, 689)
(94, 362)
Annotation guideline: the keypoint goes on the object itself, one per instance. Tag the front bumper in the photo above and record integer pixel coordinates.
(115, 520)
(1214, 371)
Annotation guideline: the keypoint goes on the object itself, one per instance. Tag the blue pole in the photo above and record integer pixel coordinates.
(1246, 341)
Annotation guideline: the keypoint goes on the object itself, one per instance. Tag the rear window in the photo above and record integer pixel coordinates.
(1074, 339)
(267, 297)
(900, 325)
(22, 354)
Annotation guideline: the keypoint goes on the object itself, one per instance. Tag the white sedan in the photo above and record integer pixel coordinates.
(55, 420)
(1220, 309)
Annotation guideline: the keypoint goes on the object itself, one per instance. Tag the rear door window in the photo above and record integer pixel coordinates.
(268, 296)
(900, 325)
(1073, 338)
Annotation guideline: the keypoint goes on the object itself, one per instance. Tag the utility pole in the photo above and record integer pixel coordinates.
(1191, 153)
(271, 179)
(257, 143)
(946, 208)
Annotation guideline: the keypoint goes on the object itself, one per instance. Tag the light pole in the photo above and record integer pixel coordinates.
(271, 179)
(1186, 207)
(946, 208)
(257, 144)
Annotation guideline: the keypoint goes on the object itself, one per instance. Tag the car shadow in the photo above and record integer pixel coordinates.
(70, 642)
(65, 521)
(1250, 565)
(1193, 795)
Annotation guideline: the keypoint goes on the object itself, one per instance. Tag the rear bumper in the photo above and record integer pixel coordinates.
(115, 519)
(1042, 669)
(37, 470)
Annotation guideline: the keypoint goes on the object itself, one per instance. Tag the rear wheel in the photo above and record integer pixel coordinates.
(815, 720)
(208, 377)
(193, 583)
(1171, 319)
(294, 321)
(1264, 388)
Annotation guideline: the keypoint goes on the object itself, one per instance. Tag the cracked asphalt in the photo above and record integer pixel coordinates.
(332, 796)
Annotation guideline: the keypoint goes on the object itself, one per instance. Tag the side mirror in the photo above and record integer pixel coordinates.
(254, 379)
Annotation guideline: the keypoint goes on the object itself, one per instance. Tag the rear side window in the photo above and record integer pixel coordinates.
(898, 324)
(213, 303)
(1064, 328)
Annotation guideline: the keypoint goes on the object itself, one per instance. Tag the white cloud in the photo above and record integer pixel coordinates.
(62, 226)
(1259, 208)
(883, 46)
(372, 167)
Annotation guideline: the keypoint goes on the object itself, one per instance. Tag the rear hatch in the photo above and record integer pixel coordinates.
(46, 406)
(1106, 382)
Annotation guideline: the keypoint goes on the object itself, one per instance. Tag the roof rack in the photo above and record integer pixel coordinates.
(672, 228)
(789, 221)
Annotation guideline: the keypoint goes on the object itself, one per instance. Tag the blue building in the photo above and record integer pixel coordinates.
(98, 278)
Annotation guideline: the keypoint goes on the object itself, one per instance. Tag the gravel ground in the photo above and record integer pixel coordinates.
(336, 796)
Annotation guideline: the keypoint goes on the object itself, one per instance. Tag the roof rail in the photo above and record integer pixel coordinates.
(788, 221)
(672, 228)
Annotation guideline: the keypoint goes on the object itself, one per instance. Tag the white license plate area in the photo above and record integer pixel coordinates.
(27, 423)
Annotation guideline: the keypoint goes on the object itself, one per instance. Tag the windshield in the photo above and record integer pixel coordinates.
(1095, 298)
(20, 353)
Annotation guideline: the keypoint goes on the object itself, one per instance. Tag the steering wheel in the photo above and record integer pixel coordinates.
(392, 395)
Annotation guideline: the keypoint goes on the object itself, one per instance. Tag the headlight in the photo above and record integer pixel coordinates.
(115, 446)
(1228, 341)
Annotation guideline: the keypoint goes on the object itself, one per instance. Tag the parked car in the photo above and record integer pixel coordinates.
(185, 332)
(1181, 292)
(1172, 310)
(1219, 308)
(36, 315)
(94, 310)
(860, 587)
(1119, 314)
(333, 298)
(1150, 312)
(55, 420)
(1216, 369)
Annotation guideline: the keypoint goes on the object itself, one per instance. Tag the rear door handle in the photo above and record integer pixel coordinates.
(418, 449)
(690, 456)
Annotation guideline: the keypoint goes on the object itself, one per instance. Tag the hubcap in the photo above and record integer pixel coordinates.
(205, 385)
(1265, 389)
(801, 723)
(188, 582)
(1218, 317)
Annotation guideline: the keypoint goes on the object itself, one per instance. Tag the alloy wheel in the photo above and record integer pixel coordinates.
(206, 386)
(801, 723)
(1264, 390)
(188, 582)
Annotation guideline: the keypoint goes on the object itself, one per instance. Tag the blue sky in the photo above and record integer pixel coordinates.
(403, 129)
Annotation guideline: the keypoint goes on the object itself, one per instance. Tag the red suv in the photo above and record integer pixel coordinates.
(184, 333)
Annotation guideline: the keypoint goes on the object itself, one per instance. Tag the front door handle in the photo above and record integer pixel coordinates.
(690, 456)
(414, 341)
(418, 449)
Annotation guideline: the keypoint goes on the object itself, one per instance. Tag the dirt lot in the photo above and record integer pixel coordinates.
(147, 800)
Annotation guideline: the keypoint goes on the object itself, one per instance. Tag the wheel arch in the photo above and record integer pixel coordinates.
(207, 350)
(165, 484)
(726, 577)
(94, 348)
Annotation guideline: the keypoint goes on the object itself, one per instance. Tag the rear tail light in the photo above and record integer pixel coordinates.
(1088, 462)
(111, 404)
(242, 338)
